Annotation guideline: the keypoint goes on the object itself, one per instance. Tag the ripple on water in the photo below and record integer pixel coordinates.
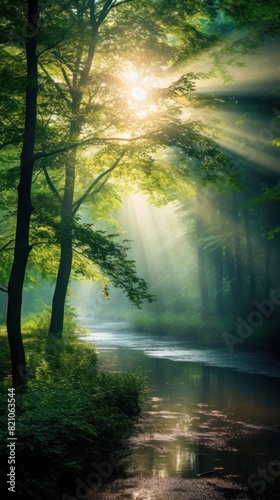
(113, 335)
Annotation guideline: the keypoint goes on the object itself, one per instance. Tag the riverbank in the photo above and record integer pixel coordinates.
(212, 423)
(71, 420)
(207, 427)
(252, 330)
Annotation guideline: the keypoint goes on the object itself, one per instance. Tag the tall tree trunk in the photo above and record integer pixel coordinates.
(203, 285)
(218, 256)
(218, 262)
(66, 251)
(24, 206)
(59, 297)
(238, 253)
(229, 261)
(267, 268)
(229, 252)
(250, 257)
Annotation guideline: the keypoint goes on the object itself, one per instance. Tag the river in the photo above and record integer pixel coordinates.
(211, 415)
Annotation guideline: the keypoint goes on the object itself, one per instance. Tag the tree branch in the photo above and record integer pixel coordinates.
(109, 5)
(67, 81)
(12, 122)
(114, 4)
(56, 85)
(55, 43)
(90, 49)
(4, 144)
(120, 3)
(88, 191)
(12, 214)
(50, 183)
(7, 244)
(36, 176)
(105, 11)
(97, 190)
(93, 21)
(93, 140)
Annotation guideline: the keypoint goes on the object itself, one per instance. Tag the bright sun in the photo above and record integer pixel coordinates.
(138, 93)
(138, 88)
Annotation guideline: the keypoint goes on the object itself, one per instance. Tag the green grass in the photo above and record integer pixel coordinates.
(210, 331)
(4, 352)
(183, 325)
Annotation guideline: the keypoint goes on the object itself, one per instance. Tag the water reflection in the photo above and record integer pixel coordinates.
(200, 417)
(115, 335)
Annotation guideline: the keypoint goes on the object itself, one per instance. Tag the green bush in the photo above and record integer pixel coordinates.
(83, 406)
(69, 406)
(4, 350)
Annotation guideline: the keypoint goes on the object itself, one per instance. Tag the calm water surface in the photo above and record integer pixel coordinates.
(207, 408)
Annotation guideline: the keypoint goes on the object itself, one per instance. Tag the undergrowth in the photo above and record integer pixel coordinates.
(69, 409)
(212, 330)
(189, 326)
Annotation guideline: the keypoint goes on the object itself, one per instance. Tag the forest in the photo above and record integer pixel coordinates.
(139, 185)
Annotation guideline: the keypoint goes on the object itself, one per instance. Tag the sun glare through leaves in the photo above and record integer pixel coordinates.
(140, 92)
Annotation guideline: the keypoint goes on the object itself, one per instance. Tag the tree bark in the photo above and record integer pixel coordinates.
(66, 237)
(203, 285)
(229, 261)
(229, 253)
(24, 206)
(218, 262)
(267, 268)
(238, 253)
(59, 297)
(250, 257)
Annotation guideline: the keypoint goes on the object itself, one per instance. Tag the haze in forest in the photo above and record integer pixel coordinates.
(139, 245)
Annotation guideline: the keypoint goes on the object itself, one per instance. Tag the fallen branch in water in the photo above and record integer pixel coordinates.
(210, 471)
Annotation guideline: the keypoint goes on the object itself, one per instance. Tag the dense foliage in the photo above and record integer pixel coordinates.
(70, 412)
(104, 99)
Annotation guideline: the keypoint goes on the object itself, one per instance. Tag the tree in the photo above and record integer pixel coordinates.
(202, 273)
(98, 100)
(24, 206)
(85, 106)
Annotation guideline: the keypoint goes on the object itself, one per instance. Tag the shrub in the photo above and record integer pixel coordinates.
(69, 407)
